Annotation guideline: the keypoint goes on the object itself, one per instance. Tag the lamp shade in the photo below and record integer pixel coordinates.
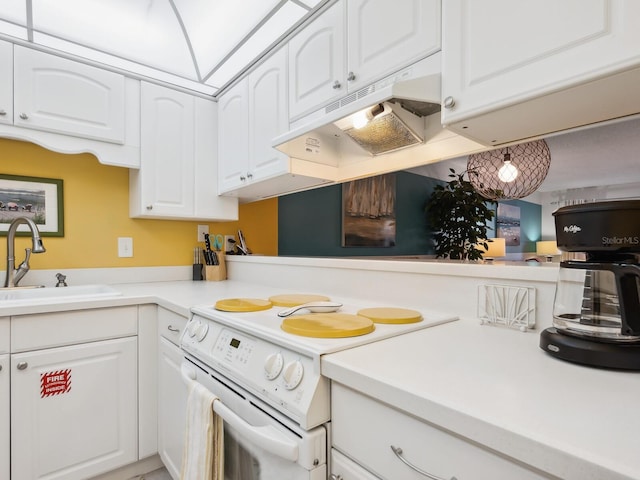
(547, 247)
(511, 172)
(497, 248)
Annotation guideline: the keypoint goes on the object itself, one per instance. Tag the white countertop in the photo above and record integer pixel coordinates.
(495, 386)
(489, 384)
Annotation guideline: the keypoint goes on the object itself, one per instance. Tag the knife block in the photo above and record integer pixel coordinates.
(216, 273)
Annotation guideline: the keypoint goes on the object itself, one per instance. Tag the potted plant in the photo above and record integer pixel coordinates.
(458, 216)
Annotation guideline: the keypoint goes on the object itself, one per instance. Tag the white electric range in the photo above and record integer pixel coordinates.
(280, 368)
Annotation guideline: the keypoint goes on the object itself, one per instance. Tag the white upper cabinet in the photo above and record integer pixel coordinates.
(69, 107)
(166, 142)
(177, 175)
(6, 83)
(317, 63)
(384, 36)
(513, 70)
(5, 414)
(353, 44)
(268, 116)
(233, 137)
(59, 95)
(252, 113)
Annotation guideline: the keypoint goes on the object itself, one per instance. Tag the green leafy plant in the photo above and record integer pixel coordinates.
(458, 216)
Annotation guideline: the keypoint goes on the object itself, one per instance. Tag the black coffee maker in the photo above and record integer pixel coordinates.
(596, 311)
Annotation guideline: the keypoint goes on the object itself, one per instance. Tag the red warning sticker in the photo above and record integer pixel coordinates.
(55, 383)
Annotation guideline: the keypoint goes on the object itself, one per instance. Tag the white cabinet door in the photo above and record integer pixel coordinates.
(60, 95)
(499, 53)
(6, 83)
(268, 117)
(208, 204)
(74, 410)
(5, 419)
(233, 137)
(167, 158)
(172, 407)
(317, 63)
(383, 37)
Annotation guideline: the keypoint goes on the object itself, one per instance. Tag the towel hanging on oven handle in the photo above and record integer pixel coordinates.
(266, 437)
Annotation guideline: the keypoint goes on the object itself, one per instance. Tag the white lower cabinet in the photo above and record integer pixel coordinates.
(74, 410)
(365, 429)
(5, 418)
(172, 392)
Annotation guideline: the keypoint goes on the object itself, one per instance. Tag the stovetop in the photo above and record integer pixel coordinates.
(280, 368)
(267, 325)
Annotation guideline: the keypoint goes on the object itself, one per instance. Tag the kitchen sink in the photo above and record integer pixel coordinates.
(59, 294)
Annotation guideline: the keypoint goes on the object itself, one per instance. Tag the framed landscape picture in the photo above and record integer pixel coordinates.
(39, 199)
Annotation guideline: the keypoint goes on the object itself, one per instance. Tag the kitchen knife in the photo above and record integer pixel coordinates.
(207, 253)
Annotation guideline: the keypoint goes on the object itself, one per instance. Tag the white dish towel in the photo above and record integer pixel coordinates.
(203, 455)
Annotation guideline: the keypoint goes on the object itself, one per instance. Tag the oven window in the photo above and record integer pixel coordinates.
(245, 461)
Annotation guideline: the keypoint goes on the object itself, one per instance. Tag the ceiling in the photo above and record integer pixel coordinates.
(200, 45)
(601, 156)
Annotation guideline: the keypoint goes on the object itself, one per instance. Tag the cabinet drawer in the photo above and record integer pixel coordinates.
(365, 429)
(344, 468)
(170, 325)
(30, 332)
(4, 334)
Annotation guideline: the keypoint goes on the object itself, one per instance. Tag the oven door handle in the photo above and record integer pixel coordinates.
(266, 437)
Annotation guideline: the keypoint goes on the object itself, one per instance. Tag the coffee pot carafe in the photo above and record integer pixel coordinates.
(596, 311)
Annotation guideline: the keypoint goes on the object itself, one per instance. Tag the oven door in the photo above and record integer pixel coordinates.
(259, 442)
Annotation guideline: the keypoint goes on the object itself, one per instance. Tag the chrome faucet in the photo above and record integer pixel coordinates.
(14, 276)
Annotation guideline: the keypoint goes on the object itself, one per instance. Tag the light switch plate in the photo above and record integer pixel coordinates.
(202, 230)
(125, 247)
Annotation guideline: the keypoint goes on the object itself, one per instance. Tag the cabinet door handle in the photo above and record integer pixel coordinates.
(171, 328)
(398, 452)
(24, 116)
(449, 103)
(351, 77)
(249, 175)
(149, 207)
(22, 365)
(336, 85)
(2, 113)
(335, 477)
(0, 368)
(242, 178)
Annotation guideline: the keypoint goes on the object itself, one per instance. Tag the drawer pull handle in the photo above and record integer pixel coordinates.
(22, 365)
(171, 328)
(398, 452)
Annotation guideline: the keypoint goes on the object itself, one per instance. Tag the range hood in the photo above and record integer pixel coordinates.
(397, 106)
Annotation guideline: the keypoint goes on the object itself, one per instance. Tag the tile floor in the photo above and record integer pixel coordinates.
(160, 474)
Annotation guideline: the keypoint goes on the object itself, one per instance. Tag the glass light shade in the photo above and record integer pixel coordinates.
(496, 248)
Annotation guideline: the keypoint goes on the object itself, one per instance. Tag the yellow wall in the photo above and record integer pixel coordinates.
(96, 213)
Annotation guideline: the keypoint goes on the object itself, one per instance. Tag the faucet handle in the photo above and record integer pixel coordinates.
(61, 280)
(25, 263)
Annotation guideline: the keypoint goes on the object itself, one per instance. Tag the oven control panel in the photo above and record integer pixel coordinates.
(288, 380)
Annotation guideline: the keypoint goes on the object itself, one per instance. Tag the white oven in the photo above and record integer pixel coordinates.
(274, 400)
(259, 442)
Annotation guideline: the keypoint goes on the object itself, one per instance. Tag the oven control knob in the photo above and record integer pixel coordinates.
(201, 331)
(273, 365)
(192, 329)
(292, 374)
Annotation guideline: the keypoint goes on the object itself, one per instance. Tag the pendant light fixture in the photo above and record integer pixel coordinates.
(511, 172)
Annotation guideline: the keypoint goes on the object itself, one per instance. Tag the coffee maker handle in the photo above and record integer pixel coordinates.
(628, 280)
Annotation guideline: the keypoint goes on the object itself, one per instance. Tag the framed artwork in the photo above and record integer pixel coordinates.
(39, 199)
(369, 212)
(508, 224)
